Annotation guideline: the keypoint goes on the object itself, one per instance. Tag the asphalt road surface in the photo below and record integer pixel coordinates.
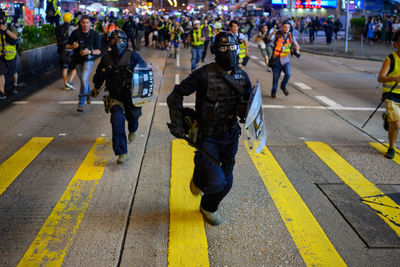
(320, 193)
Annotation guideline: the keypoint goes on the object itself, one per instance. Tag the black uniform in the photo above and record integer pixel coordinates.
(117, 72)
(217, 103)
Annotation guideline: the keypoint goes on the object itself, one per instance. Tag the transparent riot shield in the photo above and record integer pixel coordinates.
(146, 81)
(255, 125)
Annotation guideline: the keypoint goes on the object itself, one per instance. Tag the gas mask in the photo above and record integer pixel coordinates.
(225, 49)
(118, 46)
(226, 56)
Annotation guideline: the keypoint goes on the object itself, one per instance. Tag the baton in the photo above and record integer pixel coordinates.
(202, 151)
(383, 99)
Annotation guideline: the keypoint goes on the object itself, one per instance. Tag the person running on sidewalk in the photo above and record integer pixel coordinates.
(116, 68)
(8, 54)
(225, 83)
(62, 33)
(389, 75)
(280, 60)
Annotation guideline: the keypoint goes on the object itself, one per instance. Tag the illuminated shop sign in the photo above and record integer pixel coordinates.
(279, 2)
(316, 3)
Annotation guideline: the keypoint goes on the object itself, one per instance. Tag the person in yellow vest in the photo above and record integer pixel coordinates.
(389, 75)
(207, 32)
(8, 54)
(283, 41)
(175, 35)
(197, 43)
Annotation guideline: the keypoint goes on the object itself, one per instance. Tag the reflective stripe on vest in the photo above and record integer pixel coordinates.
(242, 50)
(10, 51)
(386, 87)
(196, 41)
(279, 49)
(210, 33)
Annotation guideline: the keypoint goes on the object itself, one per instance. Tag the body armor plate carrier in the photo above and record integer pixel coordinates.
(119, 77)
(218, 109)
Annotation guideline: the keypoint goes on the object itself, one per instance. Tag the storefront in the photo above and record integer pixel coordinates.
(303, 8)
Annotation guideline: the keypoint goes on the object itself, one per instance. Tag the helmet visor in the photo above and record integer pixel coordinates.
(225, 48)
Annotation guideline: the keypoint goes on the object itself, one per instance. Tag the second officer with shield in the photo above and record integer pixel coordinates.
(116, 68)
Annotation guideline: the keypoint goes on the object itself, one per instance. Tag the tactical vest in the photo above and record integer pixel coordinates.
(196, 35)
(386, 87)
(118, 77)
(218, 108)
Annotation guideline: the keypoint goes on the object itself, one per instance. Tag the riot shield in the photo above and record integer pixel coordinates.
(145, 81)
(255, 125)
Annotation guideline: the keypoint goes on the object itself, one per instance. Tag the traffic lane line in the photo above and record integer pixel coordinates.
(176, 78)
(187, 244)
(328, 101)
(302, 86)
(371, 195)
(340, 108)
(13, 166)
(309, 237)
(383, 149)
(56, 236)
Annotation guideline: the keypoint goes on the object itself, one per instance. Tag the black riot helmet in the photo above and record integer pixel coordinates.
(225, 50)
(118, 41)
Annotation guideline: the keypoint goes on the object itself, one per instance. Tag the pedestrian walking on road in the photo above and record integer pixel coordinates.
(116, 68)
(86, 45)
(225, 83)
(389, 75)
(197, 42)
(280, 60)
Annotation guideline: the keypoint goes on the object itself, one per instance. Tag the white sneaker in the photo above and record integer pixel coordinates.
(70, 86)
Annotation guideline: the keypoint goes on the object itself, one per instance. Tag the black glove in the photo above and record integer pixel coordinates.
(177, 131)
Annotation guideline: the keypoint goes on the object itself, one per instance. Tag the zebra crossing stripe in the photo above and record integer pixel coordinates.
(309, 237)
(370, 195)
(56, 236)
(187, 244)
(12, 167)
(383, 149)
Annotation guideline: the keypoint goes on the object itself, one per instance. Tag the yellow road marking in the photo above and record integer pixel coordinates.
(13, 166)
(383, 149)
(55, 238)
(310, 239)
(384, 206)
(187, 237)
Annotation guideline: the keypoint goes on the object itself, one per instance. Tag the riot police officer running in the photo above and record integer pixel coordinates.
(222, 90)
(116, 69)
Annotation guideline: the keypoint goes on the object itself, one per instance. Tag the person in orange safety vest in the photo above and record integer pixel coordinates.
(280, 58)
